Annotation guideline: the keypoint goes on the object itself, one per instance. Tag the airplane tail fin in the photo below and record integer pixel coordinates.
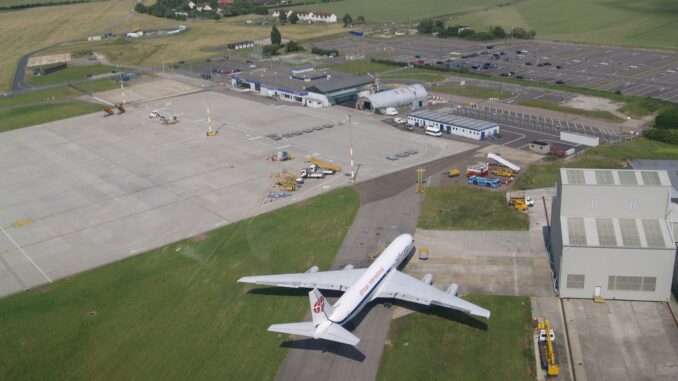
(321, 309)
(321, 327)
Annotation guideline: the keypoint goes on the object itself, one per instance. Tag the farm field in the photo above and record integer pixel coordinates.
(441, 344)
(177, 312)
(203, 39)
(644, 23)
(455, 207)
(71, 73)
(400, 11)
(50, 25)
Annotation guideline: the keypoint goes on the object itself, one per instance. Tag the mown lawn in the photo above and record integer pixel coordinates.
(544, 173)
(442, 344)
(71, 73)
(25, 116)
(177, 312)
(41, 96)
(362, 67)
(468, 207)
(473, 92)
(600, 114)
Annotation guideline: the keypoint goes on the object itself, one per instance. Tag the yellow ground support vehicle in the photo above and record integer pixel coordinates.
(518, 204)
(502, 172)
(453, 173)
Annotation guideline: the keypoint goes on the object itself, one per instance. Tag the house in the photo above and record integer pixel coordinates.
(308, 17)
(203, 7)
(191, 4)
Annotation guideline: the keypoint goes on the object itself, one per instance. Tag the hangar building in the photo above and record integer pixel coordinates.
(611, 234)
(454, 124)
(308, 87)
(412, 97)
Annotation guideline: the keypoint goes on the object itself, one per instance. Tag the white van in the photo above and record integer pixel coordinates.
(433, 131)
(391, 111)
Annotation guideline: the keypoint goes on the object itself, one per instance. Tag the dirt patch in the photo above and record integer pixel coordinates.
(198, 237)
(593, 103)
(91, 314)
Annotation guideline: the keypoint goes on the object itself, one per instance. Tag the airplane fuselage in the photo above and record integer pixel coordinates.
(367, 286)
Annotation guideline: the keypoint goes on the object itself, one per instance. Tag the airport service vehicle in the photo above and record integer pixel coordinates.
(484, 181)
(433, 131)
(479, 169)
(311, 174)
(391, 111)
(360, 286)
(154, 114)
(502, 172)
(542, 335)
(453, 173)
(400, 120)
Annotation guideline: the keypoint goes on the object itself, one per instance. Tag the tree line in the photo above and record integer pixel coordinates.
(438, 28)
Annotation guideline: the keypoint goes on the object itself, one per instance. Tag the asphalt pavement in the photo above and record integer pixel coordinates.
(389, 207)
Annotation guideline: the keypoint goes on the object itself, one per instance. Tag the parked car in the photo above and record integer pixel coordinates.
(154, 114)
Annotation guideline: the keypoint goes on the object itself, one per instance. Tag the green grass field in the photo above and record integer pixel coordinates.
(177, 312)
(71, 73)
(647, 23)
(473, 92)
(599, 114)
(102, 84)
(9, 3)
(449, 345)
(400, 11)
(544, 173)
(466, 207)
(25, 116)
(416, 74)
(42, 96)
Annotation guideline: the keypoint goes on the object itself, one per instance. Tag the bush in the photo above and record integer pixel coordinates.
(293, 46)
(325, 52)
(666, 136)
(667, 119)
(271, 50)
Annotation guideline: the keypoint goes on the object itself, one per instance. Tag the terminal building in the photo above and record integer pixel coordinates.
(611, 234)
(412, 97)
(454, 124)
(306, 86)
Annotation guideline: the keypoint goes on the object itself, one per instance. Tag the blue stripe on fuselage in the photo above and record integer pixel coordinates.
(363, 299)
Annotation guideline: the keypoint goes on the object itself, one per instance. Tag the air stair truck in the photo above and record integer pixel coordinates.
(503, 162)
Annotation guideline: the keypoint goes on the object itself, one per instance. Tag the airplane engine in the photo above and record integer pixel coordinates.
(313, 269)
(428, 279)
(453, 289)
(348, 267)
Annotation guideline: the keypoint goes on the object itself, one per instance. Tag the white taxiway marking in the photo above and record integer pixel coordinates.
(26, 255)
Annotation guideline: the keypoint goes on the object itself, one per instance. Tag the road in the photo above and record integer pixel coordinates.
(389, 207)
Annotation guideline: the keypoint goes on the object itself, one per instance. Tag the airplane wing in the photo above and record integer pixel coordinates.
(404, 287)
(325, 280)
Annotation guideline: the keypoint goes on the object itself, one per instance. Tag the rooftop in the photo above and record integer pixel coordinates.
(455, 120)
(625, 177)
(280, 77)
(670, 166)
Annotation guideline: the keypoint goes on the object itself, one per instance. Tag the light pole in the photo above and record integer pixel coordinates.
(351, 179)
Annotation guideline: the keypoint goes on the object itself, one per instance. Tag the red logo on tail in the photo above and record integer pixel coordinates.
(319, 305)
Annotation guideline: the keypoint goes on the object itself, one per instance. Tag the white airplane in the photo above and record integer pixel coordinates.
(380, 280)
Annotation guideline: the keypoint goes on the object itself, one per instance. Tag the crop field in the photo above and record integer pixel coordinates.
(455, 207)
(645, 23)
(203, 39)
(177, 312)
(400, 11)
(9, 3)
(50, 25)
(71, 73)
(442, 344)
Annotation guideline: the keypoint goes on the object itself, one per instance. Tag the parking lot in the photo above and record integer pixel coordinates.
(639, 72)
(116, 186)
